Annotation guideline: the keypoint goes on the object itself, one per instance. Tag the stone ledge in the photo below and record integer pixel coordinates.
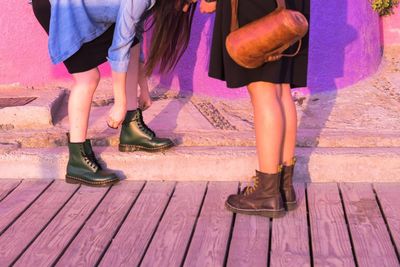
(38, 114)
(212, 164)
(306, 138)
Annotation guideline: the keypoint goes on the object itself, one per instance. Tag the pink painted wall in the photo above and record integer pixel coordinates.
(344, 48)
(23, 47)
(391, 28)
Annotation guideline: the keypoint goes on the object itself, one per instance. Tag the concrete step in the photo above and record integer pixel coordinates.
(37, 114)
(212, 164)
(306, 138)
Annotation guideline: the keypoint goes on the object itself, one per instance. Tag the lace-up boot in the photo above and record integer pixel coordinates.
(87, 145)
(286, 188)
(136, 135)
(83, 170)
(262, 198)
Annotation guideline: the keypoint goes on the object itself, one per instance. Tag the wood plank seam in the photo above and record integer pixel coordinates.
(120, 225)
(310, 245)
(80, 228)
(11, 190)
(348, 226)
(194, 225)
(269, 252)
(27, 207)
(228, 245)
(387, 224)
(158, 224)
(44, 227)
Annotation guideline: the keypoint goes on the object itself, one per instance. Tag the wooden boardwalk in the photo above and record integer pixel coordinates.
(51, 223)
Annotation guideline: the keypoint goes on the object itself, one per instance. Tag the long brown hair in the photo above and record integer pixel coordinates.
(171, 34)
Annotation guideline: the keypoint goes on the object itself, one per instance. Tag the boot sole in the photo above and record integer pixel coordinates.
(290, 205)
(76, 180)
(261, 212)
(133, 148)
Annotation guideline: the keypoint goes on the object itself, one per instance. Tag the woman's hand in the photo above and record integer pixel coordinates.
(145, 100)
(116, 116)
(208, 7)
(118, 111)
(273, 58)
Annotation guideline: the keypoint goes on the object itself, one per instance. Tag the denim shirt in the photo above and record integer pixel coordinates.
(75, 22)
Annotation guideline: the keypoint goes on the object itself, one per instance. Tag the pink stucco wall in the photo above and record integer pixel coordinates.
(344, 40)
(391, 28)
(23, 47)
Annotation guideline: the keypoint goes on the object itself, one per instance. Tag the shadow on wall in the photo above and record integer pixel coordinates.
(330, 37)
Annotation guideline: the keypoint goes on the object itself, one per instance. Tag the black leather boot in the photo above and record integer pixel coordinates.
(81, 169)
(263, 198)
(287, 189)
(87, 145)
(90, 153)
(135, 135)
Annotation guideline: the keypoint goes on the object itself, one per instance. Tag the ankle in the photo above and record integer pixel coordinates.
(289, 161)
(270, 171)
(77, 141)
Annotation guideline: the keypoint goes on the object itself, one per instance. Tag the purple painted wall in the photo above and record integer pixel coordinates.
(345, 43)
(344, 48)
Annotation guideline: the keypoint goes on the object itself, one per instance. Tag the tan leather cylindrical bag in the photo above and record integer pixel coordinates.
(253, 44)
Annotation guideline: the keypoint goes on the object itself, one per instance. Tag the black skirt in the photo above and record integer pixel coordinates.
(91, 54)
(286, 70)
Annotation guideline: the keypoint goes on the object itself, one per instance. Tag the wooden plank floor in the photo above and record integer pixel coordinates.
(51, 223)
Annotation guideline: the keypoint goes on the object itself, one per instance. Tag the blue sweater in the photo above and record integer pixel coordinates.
(74, 22)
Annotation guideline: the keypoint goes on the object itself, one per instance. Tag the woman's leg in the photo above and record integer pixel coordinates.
(288, 149)
(136, 135)
(290, 116)
(79, 103)
(269, 124)
(132, 79)
(82, 166)
(264, 197)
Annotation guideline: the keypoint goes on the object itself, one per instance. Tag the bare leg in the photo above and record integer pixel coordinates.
(132, 79)
(79, 103)
(269, 124)
(290, 115)
(144, 98)
(125, 90)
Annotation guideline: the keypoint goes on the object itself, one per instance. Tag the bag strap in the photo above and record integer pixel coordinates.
(281, 3)
(234, 15)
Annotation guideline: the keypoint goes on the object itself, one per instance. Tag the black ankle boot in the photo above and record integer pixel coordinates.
(286, 188)
(263, 198)
(136, 135)
(90, 153)
(87, 145)
(82, 169)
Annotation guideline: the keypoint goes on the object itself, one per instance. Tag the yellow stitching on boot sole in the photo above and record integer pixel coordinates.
(91, 182)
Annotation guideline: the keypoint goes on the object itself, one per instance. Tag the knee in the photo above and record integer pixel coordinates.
(88, 81)
(264, 92)
(93, 80)
(286, 92)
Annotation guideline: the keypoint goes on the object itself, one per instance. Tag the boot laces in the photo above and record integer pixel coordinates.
(142, 126)
(251, 188)
(89, 162)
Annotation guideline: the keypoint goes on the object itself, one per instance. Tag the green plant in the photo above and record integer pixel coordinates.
(384, 7)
